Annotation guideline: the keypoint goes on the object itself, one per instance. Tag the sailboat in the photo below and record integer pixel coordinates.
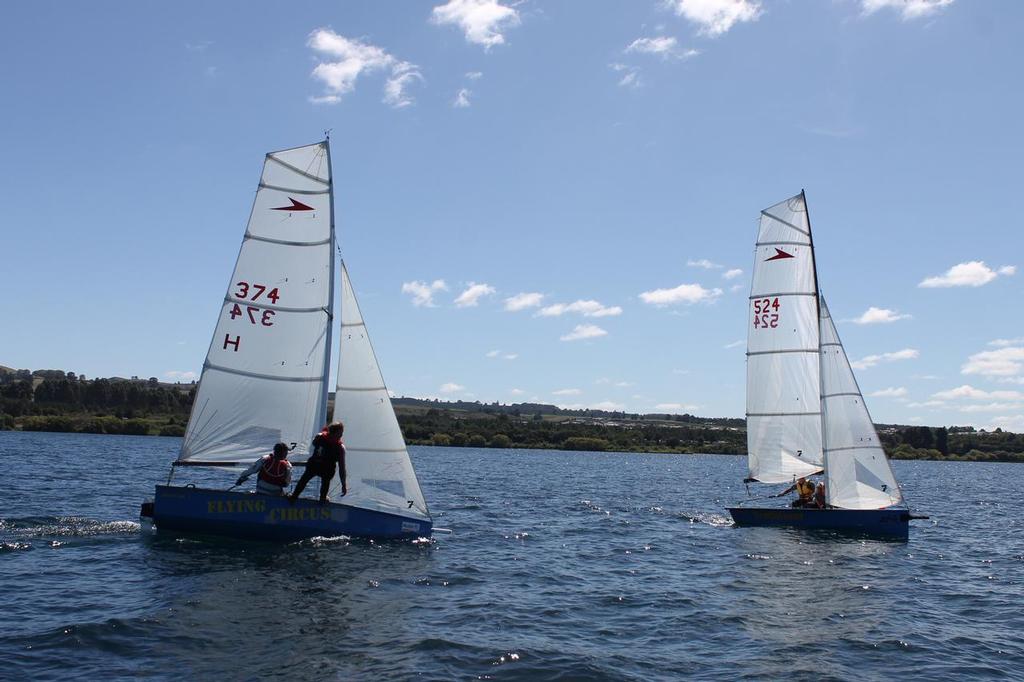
(266, 380)
(805, 412)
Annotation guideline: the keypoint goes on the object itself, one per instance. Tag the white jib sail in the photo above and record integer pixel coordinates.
(264, 379)
(783, 407)
(379, 473)
(857, 472)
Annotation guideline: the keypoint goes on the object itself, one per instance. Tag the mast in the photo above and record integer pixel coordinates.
(817, 302)
(330, 296)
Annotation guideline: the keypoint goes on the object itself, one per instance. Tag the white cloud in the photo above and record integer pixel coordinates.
(451, 387)
(875, 315)
(872, 360)
(395, 89)
(680, 371)
(703, 263)
(522, 301)
(606, 406)
(684, 293)
(1005, 362)
(482, 21)
(175, 375)
(993, 407)
(1002, 343)
(503, 356)
(969, 392)
(735, 287)
(734, 344)
(890, 393)
(675, 407)
(584, 331)
(567, 391)
(472, 295)
(462, 98)
(587, 308)
(732, 274)
(630, 75)
(1013, 423)
(474, 75)
(517, 391)
(715, 17)
(199, 46)
(908, 9)
(971, 274)
(423, 293)
(352, 58)
(662, 46)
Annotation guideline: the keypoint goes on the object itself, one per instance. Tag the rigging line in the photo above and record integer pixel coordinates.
(782, 243)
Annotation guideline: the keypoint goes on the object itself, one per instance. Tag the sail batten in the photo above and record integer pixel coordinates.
(285, 242)
(293, 190)
(263, 379)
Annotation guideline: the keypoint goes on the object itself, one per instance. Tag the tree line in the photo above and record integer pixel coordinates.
(53, 400)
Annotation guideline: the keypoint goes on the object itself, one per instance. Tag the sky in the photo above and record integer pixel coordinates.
(537, 201)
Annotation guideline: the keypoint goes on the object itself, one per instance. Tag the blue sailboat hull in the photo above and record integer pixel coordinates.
(881, 522)
(266, 517)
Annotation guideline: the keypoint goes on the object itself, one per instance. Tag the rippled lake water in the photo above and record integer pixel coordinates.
(561, 566)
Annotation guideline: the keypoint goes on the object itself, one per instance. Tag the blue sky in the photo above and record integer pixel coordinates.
(537, 201)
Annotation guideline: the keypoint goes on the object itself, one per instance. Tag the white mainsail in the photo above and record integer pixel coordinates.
(379, 473)
(857, 472)
(783, 407)
(265, 375)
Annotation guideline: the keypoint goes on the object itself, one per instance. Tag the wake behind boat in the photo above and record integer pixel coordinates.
(805, 412)
(265, 379)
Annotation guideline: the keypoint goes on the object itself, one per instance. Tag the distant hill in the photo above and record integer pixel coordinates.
(56, 400)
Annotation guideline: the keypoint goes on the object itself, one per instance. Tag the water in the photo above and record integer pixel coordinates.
(583, 566)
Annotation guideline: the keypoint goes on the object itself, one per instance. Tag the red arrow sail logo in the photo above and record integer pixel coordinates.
(779, 253)
(296, 206)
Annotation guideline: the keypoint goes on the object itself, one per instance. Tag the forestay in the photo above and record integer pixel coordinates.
(265, 375)
(783, 409)
(857, 472)
(379, 473)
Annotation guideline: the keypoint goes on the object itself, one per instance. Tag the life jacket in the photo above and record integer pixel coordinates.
(274, 471)
(805, 490)
(321, 443)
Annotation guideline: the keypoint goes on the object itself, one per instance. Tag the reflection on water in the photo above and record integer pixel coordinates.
(561, 565)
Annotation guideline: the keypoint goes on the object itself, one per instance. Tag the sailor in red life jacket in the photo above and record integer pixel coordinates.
(328, 452)
(273, 472)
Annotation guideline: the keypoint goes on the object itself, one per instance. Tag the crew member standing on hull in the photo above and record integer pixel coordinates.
(273, 472)
(328, 453)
